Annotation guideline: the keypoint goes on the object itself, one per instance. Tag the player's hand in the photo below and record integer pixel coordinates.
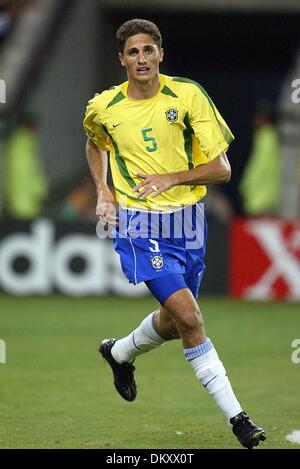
(106, 207)
(154, 184)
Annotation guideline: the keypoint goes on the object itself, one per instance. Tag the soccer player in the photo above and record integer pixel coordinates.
(166, 141)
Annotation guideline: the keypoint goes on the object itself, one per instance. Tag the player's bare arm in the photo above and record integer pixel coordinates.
(216, 171)
(97, 160)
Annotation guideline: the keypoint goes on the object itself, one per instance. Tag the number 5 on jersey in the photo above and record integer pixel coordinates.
(149, 138)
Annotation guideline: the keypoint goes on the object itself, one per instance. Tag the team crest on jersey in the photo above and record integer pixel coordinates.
(157, 262)
(172, 114)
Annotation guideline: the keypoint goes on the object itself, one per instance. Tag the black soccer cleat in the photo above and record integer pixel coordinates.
(248, 434)
(123, 373)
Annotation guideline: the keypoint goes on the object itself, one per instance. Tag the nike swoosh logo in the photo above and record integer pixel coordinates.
(117, 125)
(210, 381)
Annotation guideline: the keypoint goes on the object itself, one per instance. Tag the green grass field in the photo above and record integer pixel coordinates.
(56, 391)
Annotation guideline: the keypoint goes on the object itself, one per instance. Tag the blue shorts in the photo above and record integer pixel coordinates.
(152, 245)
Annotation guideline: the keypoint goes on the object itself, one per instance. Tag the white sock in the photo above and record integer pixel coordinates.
(210, 371)
(141, 340)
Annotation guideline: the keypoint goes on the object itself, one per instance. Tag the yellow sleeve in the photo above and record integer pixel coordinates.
(93, 127)
(212, 132)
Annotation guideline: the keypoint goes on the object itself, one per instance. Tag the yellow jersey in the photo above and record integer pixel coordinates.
(176, 130)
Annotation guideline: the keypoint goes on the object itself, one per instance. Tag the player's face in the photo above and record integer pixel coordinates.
(141, 57)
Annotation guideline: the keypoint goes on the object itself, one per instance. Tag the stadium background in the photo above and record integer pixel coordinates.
(54, 392)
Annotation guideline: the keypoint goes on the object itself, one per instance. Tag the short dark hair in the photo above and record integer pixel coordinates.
(137, 26)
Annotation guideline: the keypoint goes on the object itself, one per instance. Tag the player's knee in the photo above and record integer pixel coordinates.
(174, 333)
(165, 325)
(171, 328)
(190, 321)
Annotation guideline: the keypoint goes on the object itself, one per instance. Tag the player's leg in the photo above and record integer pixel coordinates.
(201, 354)
(121, 353)
(186, 314)
(142, 339)
(182, 305)
(157, 328)
(136, 255)
(154, 330)
(165, 324)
